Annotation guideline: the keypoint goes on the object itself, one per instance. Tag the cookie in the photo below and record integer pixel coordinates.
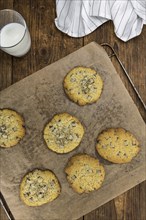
(84, 173)
(11, 128)
(63, 133)
(83, 85)
(39, 187)
(117, 145)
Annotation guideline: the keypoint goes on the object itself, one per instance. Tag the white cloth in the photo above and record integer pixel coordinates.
(78, 18)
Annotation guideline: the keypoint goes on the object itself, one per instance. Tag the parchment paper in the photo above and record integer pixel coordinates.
(40, 96)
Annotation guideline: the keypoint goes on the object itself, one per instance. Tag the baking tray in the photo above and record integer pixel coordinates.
(97, 58)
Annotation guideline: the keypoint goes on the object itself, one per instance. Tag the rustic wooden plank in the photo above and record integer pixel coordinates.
(6, 70)
(135, 210)
(131, 205)
(3, 215)
(142, 199)
(104, 212)
(5, 59)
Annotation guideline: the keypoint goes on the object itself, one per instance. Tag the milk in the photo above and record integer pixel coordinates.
(14, 40)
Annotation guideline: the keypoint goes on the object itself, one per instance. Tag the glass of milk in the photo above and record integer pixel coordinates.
(14, 35)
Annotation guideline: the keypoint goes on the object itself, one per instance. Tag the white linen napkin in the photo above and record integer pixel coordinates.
(78, 18)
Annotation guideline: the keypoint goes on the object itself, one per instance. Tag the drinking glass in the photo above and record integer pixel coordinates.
(14, 35)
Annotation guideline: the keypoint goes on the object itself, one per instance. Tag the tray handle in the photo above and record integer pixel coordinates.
(113, 53)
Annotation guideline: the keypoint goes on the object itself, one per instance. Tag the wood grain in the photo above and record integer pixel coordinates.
(3, 214)
(49, 45)
(105, 212)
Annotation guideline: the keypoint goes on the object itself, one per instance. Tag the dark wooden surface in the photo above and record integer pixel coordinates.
(49, 45)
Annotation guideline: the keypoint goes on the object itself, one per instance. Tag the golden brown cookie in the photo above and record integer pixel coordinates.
(39, 187)
(84, 173)
(11, 128)
(83, 85)
(63, 133)
(117, 145)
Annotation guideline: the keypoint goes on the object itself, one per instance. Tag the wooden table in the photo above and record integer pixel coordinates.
(49, 45)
